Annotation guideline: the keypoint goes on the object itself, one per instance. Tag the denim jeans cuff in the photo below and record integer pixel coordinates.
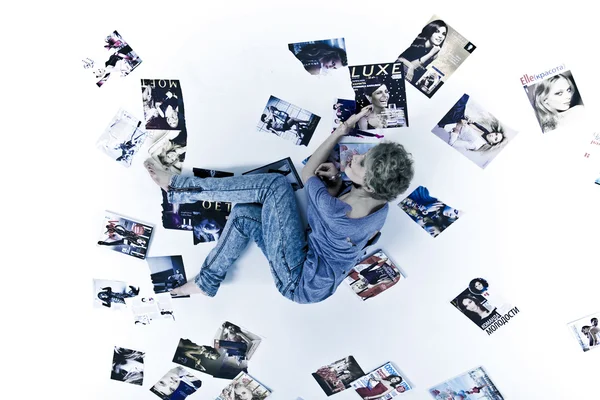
(201, 286)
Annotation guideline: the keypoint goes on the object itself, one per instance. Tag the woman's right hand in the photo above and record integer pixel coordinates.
(327, 170)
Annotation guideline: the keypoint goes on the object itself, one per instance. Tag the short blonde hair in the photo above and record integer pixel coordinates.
(389, 170)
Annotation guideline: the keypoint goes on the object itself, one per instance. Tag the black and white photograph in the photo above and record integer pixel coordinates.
(236, 341)
(120, 59)
(125, 235)
(209, 219)
(382, 88)
(163, 104)
(244, 387)
(207, 359)
(428, 212)
(210, 173)
(586, 332)
(319, 57)
(434, 55)
(112, 294)
(168, 151)
(128, 366)
(338, 375)
(285, 167)
(555, 100)
(288, 121)
(148, 308)
(167, 273)
(122, 138)
(474, 132)
(176, 384)
(344, 109)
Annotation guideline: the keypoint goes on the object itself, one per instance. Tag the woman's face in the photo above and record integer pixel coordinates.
(560, 95)
(355, 169)
(172, 117)
(171, 157)
(478, 285)
(433, 230)
(451, 213)
(379, 98)
(168, 383)
(494, 137)
(438, 36)
(470, 305)
(242, 393)
(130, 366)
(396, 379)
(333, 62)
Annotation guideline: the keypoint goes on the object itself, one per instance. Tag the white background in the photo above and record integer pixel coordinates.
(530, 228)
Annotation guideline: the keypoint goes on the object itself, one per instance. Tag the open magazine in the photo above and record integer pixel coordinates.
(373, 275)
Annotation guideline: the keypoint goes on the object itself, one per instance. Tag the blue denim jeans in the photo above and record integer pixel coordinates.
(265, 210)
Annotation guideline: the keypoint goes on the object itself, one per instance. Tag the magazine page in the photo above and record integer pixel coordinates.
(473, 131)
(373, 275)
(586, 331)
(122, 138)
(344, 109)
(319, 57)
(554, 97)
(125, 235)
(348, 151)
(236, 340)
(384, 383)
(284, 167)
(288, 121)
(474, 384)
(338, 376)
(168, 152)
(428, 212)
(209, 219)
(117, 59)
(244, 387)
(167, 273)
(155, 307)
(112, 294)
(128, 366)
(380, 86)
(162, 101)
(176, 384)
(489, 312)
(434, 55)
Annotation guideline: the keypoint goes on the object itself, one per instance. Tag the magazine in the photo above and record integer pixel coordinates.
(382, 87)
(349, 150)
(320, 56)
(431, 214)
(112, 294)
(373, 275)
(122, 138)
(554, 97)
(207, 359)
(125, 235)
(167, 273)
(586, 331)
(474, 384)
(285, 167)
(474, 132)
(338, 376)
(592, 150)
(163, 104)
(434, 55)
(244, 386)
(176, 384)
(210, 173)
(128, 366)
(487, 311)
(146, 309)
(384, 383)
(120, 59)
(344, 109)
(288, 121)
(236, 341)
(169, 150)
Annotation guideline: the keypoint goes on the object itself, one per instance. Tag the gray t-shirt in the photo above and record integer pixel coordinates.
(335, 241)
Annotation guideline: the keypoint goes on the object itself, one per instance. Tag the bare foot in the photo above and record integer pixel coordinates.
(161, 177)
(187, 289)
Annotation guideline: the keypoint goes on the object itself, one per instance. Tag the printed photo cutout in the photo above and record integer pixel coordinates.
(207, 359)
(383, 383)
(382, 87)
(122, 138)
(474, 132)
(488, 312)
(598, 180)
(120, 59)
(428, 212)
(555, 100)
(434, 55)
(338, 376)
(128, 366)
(146, 309)
(347, 153)
(112, 294)
(210, 173)
(586, 331)
(176, 384)
(125, 235)
(163, 104)
(344, 109)
(167, 273)
(284, 167)
(168, 152)
(373, 275)
(320, 56)
(288, 121)
(236, 341)
(244, 387)
(474, 384)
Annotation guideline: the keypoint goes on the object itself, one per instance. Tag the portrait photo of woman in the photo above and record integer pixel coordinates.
(321, 56)
(169, 151)
(423, 50)
(176, 384)
(478, 286)
(475, 307)
(128, 366)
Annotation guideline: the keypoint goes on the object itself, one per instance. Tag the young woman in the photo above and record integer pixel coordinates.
(474, 309)
(306, 268)
(377, 95)
(423, 50)
(478, 286)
